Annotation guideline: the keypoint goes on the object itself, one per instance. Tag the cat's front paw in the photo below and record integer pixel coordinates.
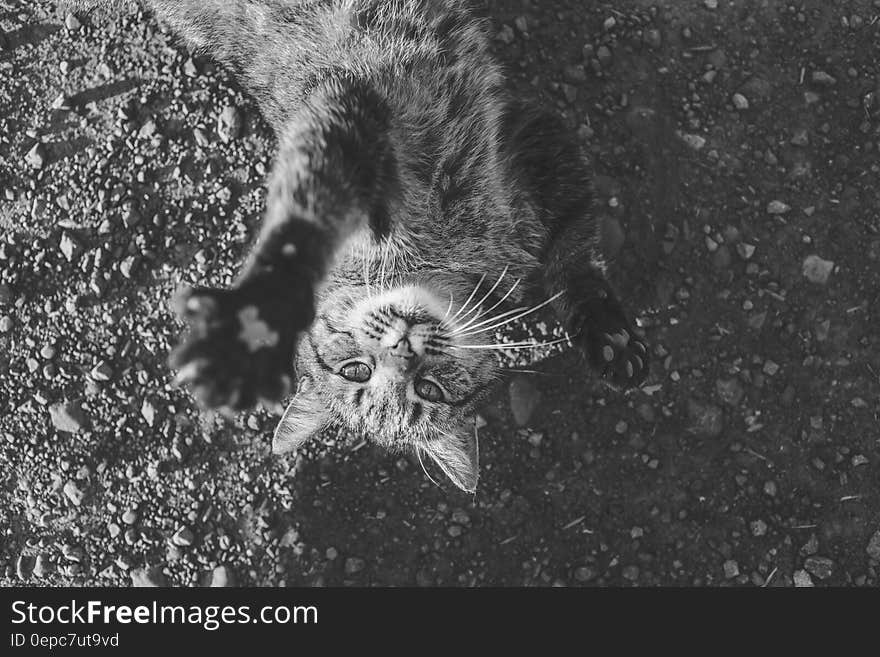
(613, 348)
(240, 346)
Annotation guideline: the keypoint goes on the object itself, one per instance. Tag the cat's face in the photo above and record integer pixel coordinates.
(401, 367)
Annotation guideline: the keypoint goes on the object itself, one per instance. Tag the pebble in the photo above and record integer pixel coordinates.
(73, 493)
(229, 124)
(354, 565)
(148, 412)
(821, 567)
(114, 530)
(524, 399)
(147, 577)
(67, 416)
(221, 577)
(71, 22)
(36, 157)
(506, 34)
(710, 4)
(24, 566)
(653, 38)
(730, 391)
(43, 566)
(777, 207)
(817, 270)
(758, 527)
(802, 579)
(130, 517)
(585, 574)
(731, 569)
(706, 419)
(740, 102)
(873, 548)
(823, 78)
(69, 247)
(631, 573)
(183, 537)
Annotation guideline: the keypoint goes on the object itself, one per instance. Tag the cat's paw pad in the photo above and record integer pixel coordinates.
(620, 357)
(239, 349)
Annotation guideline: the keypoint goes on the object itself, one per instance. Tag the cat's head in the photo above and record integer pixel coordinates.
(402, 367)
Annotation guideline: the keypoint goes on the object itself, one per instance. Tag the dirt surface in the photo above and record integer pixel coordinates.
(737, 150)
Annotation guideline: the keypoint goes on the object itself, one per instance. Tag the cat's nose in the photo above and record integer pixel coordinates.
(402, 349)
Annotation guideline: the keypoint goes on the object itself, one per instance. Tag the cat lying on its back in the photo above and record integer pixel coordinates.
(412, 199)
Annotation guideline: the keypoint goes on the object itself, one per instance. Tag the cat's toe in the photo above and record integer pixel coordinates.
(237, 352)
(620, 357)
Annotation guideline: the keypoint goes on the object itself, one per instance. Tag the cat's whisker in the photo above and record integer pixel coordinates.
(470, 298)
(516, 317)
(477, 305)
(448, 310)
(422, 463)
(506, 313)
(470, 324)
(513, 345)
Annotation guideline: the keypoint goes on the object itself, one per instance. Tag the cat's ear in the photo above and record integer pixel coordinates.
(305, 416)
(458, 456)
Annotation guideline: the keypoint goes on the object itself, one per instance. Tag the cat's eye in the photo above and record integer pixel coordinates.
(429, 391)
(357, 372)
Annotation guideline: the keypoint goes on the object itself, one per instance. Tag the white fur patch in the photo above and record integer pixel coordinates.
(255, 333)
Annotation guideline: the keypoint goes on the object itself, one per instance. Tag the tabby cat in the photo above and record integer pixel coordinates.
(414, 200)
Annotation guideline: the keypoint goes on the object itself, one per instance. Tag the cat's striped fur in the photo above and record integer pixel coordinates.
(408, 181)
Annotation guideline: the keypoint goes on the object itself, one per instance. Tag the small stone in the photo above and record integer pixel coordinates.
(603, 54)
(147, 577)
(695, 142)
(770, 368)
(631, 573)
(740, 102)
(653, 38)
(69, 246)
(710, 4)
(190, 69)
(221, 577)
(706, 419)
(730, 391)
(73, 493)
(130, 517)
(524, 399)
(821, 567)
(731, 569)
(746, 251)
(354, 565)
(585, 574)
(506, 34)
(68, 417)
(802, 579)
(43, 566)
(148, 412)
(101, 372)
(778, 207)
(823, 78)
(801, 137)
(71, 22)
(817, 270)
(758, 527)
(229, 124)
(114, 530)
(873, 548)
(183, 537)
(24, 566)
(36, 157)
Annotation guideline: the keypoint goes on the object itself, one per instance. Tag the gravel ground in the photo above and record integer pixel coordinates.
(737, 146)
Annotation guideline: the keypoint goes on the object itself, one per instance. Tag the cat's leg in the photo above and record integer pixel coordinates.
(556, 173)
(334, 174)
(590, 310)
